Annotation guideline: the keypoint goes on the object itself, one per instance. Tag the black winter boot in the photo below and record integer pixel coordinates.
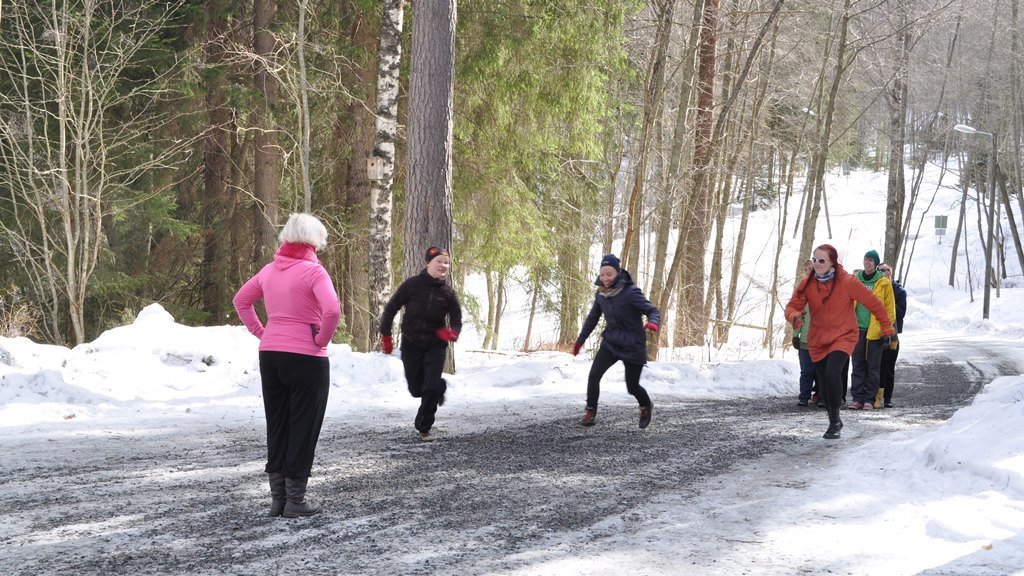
(645, 414)
(277, 493)
(297, 504)
(834, 424)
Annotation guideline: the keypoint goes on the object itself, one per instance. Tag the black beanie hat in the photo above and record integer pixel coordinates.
(610, 260)
(434, 252)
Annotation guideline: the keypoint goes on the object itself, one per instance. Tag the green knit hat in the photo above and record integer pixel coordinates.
(874, 256)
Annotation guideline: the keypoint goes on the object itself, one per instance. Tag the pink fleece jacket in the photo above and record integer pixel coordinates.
(302, 306)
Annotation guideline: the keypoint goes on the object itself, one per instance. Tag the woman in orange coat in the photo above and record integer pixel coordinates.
(831, 293)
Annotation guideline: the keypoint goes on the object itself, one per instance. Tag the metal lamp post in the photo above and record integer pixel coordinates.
(991, 214)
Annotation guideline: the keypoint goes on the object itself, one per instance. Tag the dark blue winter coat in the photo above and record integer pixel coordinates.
(622, 305)
(901, 305)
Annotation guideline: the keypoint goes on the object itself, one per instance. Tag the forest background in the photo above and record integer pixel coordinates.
(150, 150)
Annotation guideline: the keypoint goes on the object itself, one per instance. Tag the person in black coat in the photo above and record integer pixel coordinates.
(432, 320)
(624, 338)
(887, 377)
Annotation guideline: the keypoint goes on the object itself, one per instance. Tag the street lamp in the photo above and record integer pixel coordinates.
(991, 213)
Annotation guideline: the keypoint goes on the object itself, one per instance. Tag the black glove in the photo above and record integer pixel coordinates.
(886, 340)
(796, 342)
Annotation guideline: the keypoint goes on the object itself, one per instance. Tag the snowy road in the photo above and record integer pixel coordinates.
(509, 488)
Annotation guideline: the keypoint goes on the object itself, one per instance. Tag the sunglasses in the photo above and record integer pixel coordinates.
(819, 260)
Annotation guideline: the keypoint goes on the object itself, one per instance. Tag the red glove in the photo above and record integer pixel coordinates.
(576, 348)
(797, 322)
(447, 334)
(387, 345)
(651, 326)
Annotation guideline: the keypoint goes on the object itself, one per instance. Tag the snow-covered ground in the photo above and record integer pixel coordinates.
(942, 499)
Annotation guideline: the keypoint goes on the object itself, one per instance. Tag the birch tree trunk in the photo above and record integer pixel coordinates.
(381, 195)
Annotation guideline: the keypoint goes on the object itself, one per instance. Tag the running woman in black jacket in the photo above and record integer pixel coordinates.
(432, 319)
(624, 337)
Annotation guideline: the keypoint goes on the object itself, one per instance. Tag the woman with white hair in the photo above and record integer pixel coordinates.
(302, 313)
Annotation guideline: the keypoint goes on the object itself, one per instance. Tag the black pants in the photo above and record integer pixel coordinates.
(602, 362)
(888, 374)
(295, 388)
(867, 364)
(423, 368)
(831, 373)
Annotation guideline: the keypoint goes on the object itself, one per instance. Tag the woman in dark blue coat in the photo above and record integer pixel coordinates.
(624, 337)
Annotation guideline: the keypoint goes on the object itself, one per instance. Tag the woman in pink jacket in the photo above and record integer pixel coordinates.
(302, 314)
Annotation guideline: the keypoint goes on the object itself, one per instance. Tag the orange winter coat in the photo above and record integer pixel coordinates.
(833, 319)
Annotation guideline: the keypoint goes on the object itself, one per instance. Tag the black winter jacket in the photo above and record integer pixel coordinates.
(901, 305)
(622, 305)
(427, 301)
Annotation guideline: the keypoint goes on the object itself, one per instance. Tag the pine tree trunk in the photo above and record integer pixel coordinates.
(266, 153)
(570, 258)
(428, 198)
(355, 125)
(216, 170)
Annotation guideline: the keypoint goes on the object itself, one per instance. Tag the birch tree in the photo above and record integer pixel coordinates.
(383, 156)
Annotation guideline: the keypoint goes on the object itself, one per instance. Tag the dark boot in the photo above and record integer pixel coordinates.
(277, 493)
(834, 424)
(297, 504)
(645, 414)
(589, 417)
